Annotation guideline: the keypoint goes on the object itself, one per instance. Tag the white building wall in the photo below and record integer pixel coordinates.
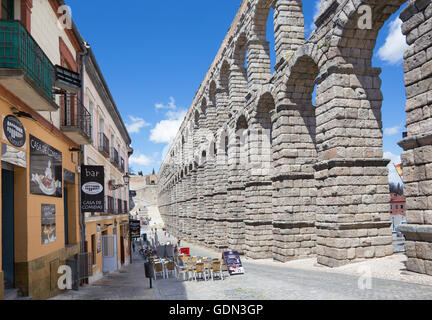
(91, 96)
(46, 32)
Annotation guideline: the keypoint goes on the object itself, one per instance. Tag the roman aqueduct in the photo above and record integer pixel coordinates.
(316, 184)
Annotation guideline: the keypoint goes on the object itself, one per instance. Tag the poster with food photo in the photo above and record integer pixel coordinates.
(48, 223)
(45, 169)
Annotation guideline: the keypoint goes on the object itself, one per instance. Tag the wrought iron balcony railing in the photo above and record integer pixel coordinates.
(119, 206)
(76, 121)
(19, 51)
(110, 207)
(115, 157)
(122, 165)
(104, 145)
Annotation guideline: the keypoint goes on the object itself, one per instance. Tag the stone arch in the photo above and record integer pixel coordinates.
(294, 155)
(355, 45)
(288, 35)
(222, 94)
(265, 107)
(240, 59)
(349, 134)
(204, 106)
(212, 93)
(197, 119)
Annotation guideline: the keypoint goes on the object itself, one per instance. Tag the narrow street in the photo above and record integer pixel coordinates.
(263, 280)
(127, 284)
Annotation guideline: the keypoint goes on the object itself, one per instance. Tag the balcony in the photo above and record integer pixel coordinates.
(110, 205)
(115, 157)
(25, 70)
(76, 122)
(122, 165)
(104, 145)
(119, 206)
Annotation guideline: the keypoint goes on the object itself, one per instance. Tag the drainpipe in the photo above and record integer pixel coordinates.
(80, 69)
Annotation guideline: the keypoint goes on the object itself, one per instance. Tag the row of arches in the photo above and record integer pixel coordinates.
(281, 176)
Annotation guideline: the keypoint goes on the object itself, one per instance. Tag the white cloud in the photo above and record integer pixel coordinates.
(317, 9)
(392, 131)
(395, 160)
(140, 159)
(166, 130)
(395, 45)
(136, 125)
(171, 105)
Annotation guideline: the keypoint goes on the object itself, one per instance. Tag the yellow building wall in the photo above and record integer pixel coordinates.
(28, 228)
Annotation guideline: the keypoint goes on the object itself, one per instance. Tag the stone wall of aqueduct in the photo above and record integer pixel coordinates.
(259, 167)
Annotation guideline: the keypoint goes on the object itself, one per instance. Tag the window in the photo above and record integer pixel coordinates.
(397, 206)
(91, 110)
(391, 207)
(401, 206)
(7, 9)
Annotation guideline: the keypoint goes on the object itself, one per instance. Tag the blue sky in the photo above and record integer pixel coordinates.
(154, 55)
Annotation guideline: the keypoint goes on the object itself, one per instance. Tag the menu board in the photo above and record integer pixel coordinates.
(233, 262)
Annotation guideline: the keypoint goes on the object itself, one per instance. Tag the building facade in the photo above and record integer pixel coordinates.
(261, 167)
(397, 210)
(107, 233)
(48, 132)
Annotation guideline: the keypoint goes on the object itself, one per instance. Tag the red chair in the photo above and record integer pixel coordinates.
(184, 251)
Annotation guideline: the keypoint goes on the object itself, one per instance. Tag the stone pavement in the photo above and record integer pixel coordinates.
(263, 280)
(127, 284)
(272, 282)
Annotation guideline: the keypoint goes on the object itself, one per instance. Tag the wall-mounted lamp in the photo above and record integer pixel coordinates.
(22, 114)
(113, 186)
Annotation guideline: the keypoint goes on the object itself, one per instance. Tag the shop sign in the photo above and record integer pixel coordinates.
(13, 156)
(135, 228)
(48, 223)
(14, 131)
(92, 189)
(233, 262)
(45, 169)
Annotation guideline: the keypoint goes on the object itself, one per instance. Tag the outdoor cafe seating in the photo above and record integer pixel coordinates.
(167, 263)
(200, 268)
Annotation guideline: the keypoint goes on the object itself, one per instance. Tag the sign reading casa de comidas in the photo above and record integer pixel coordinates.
(92, 189)
(45, 169)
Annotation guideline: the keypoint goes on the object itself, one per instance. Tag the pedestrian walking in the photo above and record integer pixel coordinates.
(178, 242)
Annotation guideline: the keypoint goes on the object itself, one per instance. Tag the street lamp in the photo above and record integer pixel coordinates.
(126, 178)
(113, 186)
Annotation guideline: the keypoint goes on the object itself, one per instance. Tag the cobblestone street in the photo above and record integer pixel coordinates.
(263, 280)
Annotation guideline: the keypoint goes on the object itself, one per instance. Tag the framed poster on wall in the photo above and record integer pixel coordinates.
(45, 169)
(48, 223)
